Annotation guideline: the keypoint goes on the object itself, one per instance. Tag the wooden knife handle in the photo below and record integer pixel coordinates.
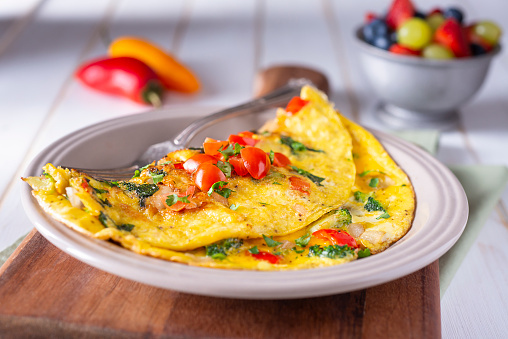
(274, 77)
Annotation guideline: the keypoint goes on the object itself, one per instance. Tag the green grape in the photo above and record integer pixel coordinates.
(489, 31)
(415, 33)
(435, 20)
(437, 51)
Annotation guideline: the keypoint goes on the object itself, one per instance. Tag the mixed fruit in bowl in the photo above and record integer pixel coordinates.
(441, 33)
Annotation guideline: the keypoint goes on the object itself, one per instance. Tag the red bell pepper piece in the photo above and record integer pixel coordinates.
(124, 76)
(295, 105)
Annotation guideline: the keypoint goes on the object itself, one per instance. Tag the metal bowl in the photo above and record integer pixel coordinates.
(418, 92)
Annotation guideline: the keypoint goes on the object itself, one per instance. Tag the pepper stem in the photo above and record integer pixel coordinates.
(154, 99)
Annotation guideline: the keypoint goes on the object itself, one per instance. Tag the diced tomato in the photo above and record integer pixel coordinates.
(247, 134)
(300, 184)
(266, 256)
(280, 160)
(206, 175)
(178, 165)
(191, 164)
(340, 238)
(180, 205)
(212, 147)
(295, 105)
(242, 140)
(256, 161)
(238, 165)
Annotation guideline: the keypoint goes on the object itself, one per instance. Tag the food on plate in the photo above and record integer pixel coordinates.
(173, 74)
(437, 34)
(308, 189)
(122, 76)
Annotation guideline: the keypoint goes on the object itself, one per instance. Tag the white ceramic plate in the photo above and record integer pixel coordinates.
(439, 220)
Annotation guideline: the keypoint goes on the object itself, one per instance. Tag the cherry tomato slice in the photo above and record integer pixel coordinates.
(242, 140)
(247, 134)
(178, 165)
(191, 164)
(256, 161)
(300, 185)
(266, 256)
(295, 105)
(340, 238)
(280, 160)
(213, 147)
(206, 175)
(238, 165)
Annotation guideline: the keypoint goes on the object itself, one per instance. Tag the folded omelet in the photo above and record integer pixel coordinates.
(337, 197)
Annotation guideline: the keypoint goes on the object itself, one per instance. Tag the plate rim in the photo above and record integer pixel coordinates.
(248, 284)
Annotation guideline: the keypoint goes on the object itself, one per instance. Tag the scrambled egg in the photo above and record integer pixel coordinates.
(353, 187)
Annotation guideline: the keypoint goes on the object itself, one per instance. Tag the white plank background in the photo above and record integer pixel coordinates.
(226, 42)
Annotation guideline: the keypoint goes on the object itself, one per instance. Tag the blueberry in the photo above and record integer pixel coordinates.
(373, 29)
(383, 42)
(477, 49)
(419, 14)
(454, 12)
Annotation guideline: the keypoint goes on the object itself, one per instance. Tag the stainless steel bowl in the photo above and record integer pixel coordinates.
(418, 92)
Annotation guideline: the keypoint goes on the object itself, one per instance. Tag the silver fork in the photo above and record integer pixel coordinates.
(275, 98)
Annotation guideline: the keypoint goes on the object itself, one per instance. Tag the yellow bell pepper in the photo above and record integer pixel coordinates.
(173, 75)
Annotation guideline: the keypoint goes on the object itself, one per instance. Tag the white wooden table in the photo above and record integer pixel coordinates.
(225, 42)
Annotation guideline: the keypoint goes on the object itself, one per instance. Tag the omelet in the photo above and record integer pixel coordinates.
(327, 193)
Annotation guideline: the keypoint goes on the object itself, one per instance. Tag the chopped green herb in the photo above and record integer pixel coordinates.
(364, 173)
(174, 198)
(314, 178)
(232, 243)
(233, 207)
(385, 215)
(126, 227)
(276, 183)
(98, 190)
(137, 172)
(373, 182)
(373, 205)
(271, 155)
(143, 191)
(263, 203)
(344, 217)
(201, 149)
(215, 252)
(231, 150)
(360, 196)
(364, 253)
(254, 250)
(331, 251)
(103, 218)
(296, 146)
(270, 242)
(157, 176)
(218, 187)
(303, 240)
(225, 167)
(297, 251)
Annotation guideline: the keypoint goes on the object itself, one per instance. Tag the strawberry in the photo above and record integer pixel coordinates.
(399, 49)
(434, 11)
(452, 35)
(474, 38)
(400, 11)
(369, 16)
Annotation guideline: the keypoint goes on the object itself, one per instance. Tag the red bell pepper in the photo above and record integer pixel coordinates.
(124, 76)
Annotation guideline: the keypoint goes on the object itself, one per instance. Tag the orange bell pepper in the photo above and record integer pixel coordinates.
(173, 75)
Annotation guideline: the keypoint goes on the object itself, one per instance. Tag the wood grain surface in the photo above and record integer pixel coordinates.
(46, 293)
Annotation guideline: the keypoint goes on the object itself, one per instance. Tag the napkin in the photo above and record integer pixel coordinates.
(483, 185)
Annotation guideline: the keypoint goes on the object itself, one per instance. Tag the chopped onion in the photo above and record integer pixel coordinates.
(220, 199)
(355, 230)
(73, 198)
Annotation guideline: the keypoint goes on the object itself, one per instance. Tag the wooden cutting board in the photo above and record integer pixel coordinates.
(45, 293)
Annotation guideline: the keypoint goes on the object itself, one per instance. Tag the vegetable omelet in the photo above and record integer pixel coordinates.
(309, 189)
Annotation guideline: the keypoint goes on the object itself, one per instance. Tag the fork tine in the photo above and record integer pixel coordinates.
(121, 173)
